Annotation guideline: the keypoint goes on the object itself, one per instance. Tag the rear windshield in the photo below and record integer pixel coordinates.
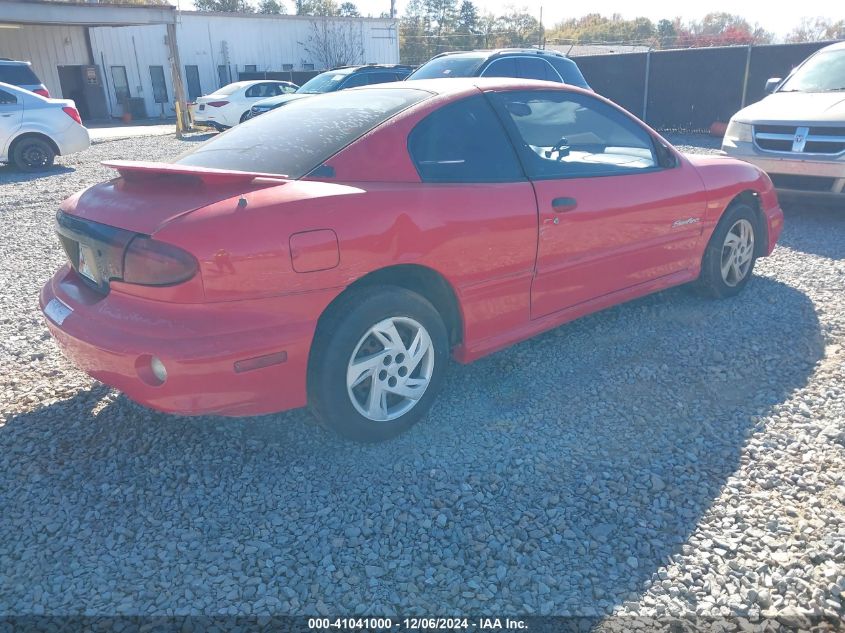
(227, 90)
(324, 82)
(450, 66)
(18, 75)
(297, 138)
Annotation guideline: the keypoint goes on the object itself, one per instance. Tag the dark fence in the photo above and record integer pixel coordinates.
(690, 89)
(298, 77)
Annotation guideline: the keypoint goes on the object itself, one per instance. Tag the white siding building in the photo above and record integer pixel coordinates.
(133, 61)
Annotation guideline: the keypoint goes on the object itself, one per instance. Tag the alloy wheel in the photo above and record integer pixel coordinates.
(390, 369)
(737, 252)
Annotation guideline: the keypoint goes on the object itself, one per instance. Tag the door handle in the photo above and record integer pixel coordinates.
(564, 204)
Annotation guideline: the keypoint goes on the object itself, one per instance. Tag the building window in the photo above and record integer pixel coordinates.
(307, 66)
(223, 76)
(287, 67)
(159, 86)
(192, 74)
(250, 68)
(121, 83)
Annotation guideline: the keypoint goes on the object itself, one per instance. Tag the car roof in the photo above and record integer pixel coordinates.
(454, 85)
(5, 61)
(494, 52)
(834, 47)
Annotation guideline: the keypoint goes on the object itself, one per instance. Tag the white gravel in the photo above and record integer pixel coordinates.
(674, 456)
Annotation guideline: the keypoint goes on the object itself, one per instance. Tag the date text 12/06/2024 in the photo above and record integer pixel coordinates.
(416, 624)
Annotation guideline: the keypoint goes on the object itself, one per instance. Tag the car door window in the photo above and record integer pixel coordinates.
(565, 135)
(261, 91)
(380, 78)
(536, 68)
(505, 67)
(354, 81)
(7, 98)
(463, 142)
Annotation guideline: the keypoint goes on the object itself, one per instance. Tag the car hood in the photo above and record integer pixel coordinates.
(272, 102)
(796, 107)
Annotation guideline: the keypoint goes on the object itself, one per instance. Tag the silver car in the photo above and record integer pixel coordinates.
(797, 133)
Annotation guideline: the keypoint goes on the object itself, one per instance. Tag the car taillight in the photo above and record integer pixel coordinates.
(218, 104)
(73, 113)
(148, 262)
(43, 92)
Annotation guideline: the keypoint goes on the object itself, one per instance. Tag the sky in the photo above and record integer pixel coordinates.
(778, 17)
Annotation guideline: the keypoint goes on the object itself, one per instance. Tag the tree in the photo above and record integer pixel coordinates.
(467, 17)
(413, 34)
(271, 7)
(666, 33)
(349, 10)
(224, 6)
(316, 7)
(518, 28)
(334, 43)
(817, 30)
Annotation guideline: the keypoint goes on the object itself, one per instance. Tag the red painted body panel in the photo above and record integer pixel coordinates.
(269, 268)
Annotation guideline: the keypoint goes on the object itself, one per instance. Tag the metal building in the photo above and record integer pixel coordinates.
(130, 65)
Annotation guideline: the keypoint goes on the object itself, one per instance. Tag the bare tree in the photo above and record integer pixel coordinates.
(333, 43)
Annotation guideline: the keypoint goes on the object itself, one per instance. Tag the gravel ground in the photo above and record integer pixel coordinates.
(671, 456)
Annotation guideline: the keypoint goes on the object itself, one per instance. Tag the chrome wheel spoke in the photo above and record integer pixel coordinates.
(737, 252)
(418, 348)
(377, 402)
(413, 388)
(362, 369)
(388, 336)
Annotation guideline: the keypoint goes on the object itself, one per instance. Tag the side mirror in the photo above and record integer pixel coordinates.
(771, 84)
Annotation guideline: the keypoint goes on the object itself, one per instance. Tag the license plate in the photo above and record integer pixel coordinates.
(57, 311)
(87, 267)
(202, 107)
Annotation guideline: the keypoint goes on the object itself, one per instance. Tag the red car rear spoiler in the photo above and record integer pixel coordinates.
(146, 170)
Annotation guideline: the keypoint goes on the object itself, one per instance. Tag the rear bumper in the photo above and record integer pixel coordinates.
(112, 338)
(74, 139)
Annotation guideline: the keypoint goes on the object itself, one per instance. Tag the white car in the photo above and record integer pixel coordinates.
(230, 105)
(34, 130)
(797, 133)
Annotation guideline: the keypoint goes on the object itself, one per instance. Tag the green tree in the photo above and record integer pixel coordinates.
(271, 7)
(414, 28)
(349, 10)
(224, 6)
(316, 7)
(518, 28)
(666, 33)
(468, 17)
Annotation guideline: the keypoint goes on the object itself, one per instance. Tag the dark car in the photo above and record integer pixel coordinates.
(336, 79)
(20, 74)
(523, 63)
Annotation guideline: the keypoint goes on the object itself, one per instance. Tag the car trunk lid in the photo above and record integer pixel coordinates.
(149, 195)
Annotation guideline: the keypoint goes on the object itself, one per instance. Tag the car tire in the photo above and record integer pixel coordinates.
(244, 116)
(381, 338)
(33, 154)
(730, 255)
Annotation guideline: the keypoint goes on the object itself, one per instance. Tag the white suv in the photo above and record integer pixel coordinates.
(797, 133)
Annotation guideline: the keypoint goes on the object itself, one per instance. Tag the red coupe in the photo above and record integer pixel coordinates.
(335, 251)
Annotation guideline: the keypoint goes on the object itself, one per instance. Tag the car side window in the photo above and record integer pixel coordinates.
(536, 68)
(261, 90)
(7, 98)
(566, 135)
(354, 81)
(463, 142)
(380, 78)
(504, 67)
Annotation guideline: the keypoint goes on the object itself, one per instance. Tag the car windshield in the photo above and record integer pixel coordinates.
(449, 66)
(324, 82)
(297, 138)
(823, 72)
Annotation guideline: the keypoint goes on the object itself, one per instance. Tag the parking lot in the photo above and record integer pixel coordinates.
(671, 456)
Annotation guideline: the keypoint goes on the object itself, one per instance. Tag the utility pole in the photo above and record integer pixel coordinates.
(392, 9)
(540, 33)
